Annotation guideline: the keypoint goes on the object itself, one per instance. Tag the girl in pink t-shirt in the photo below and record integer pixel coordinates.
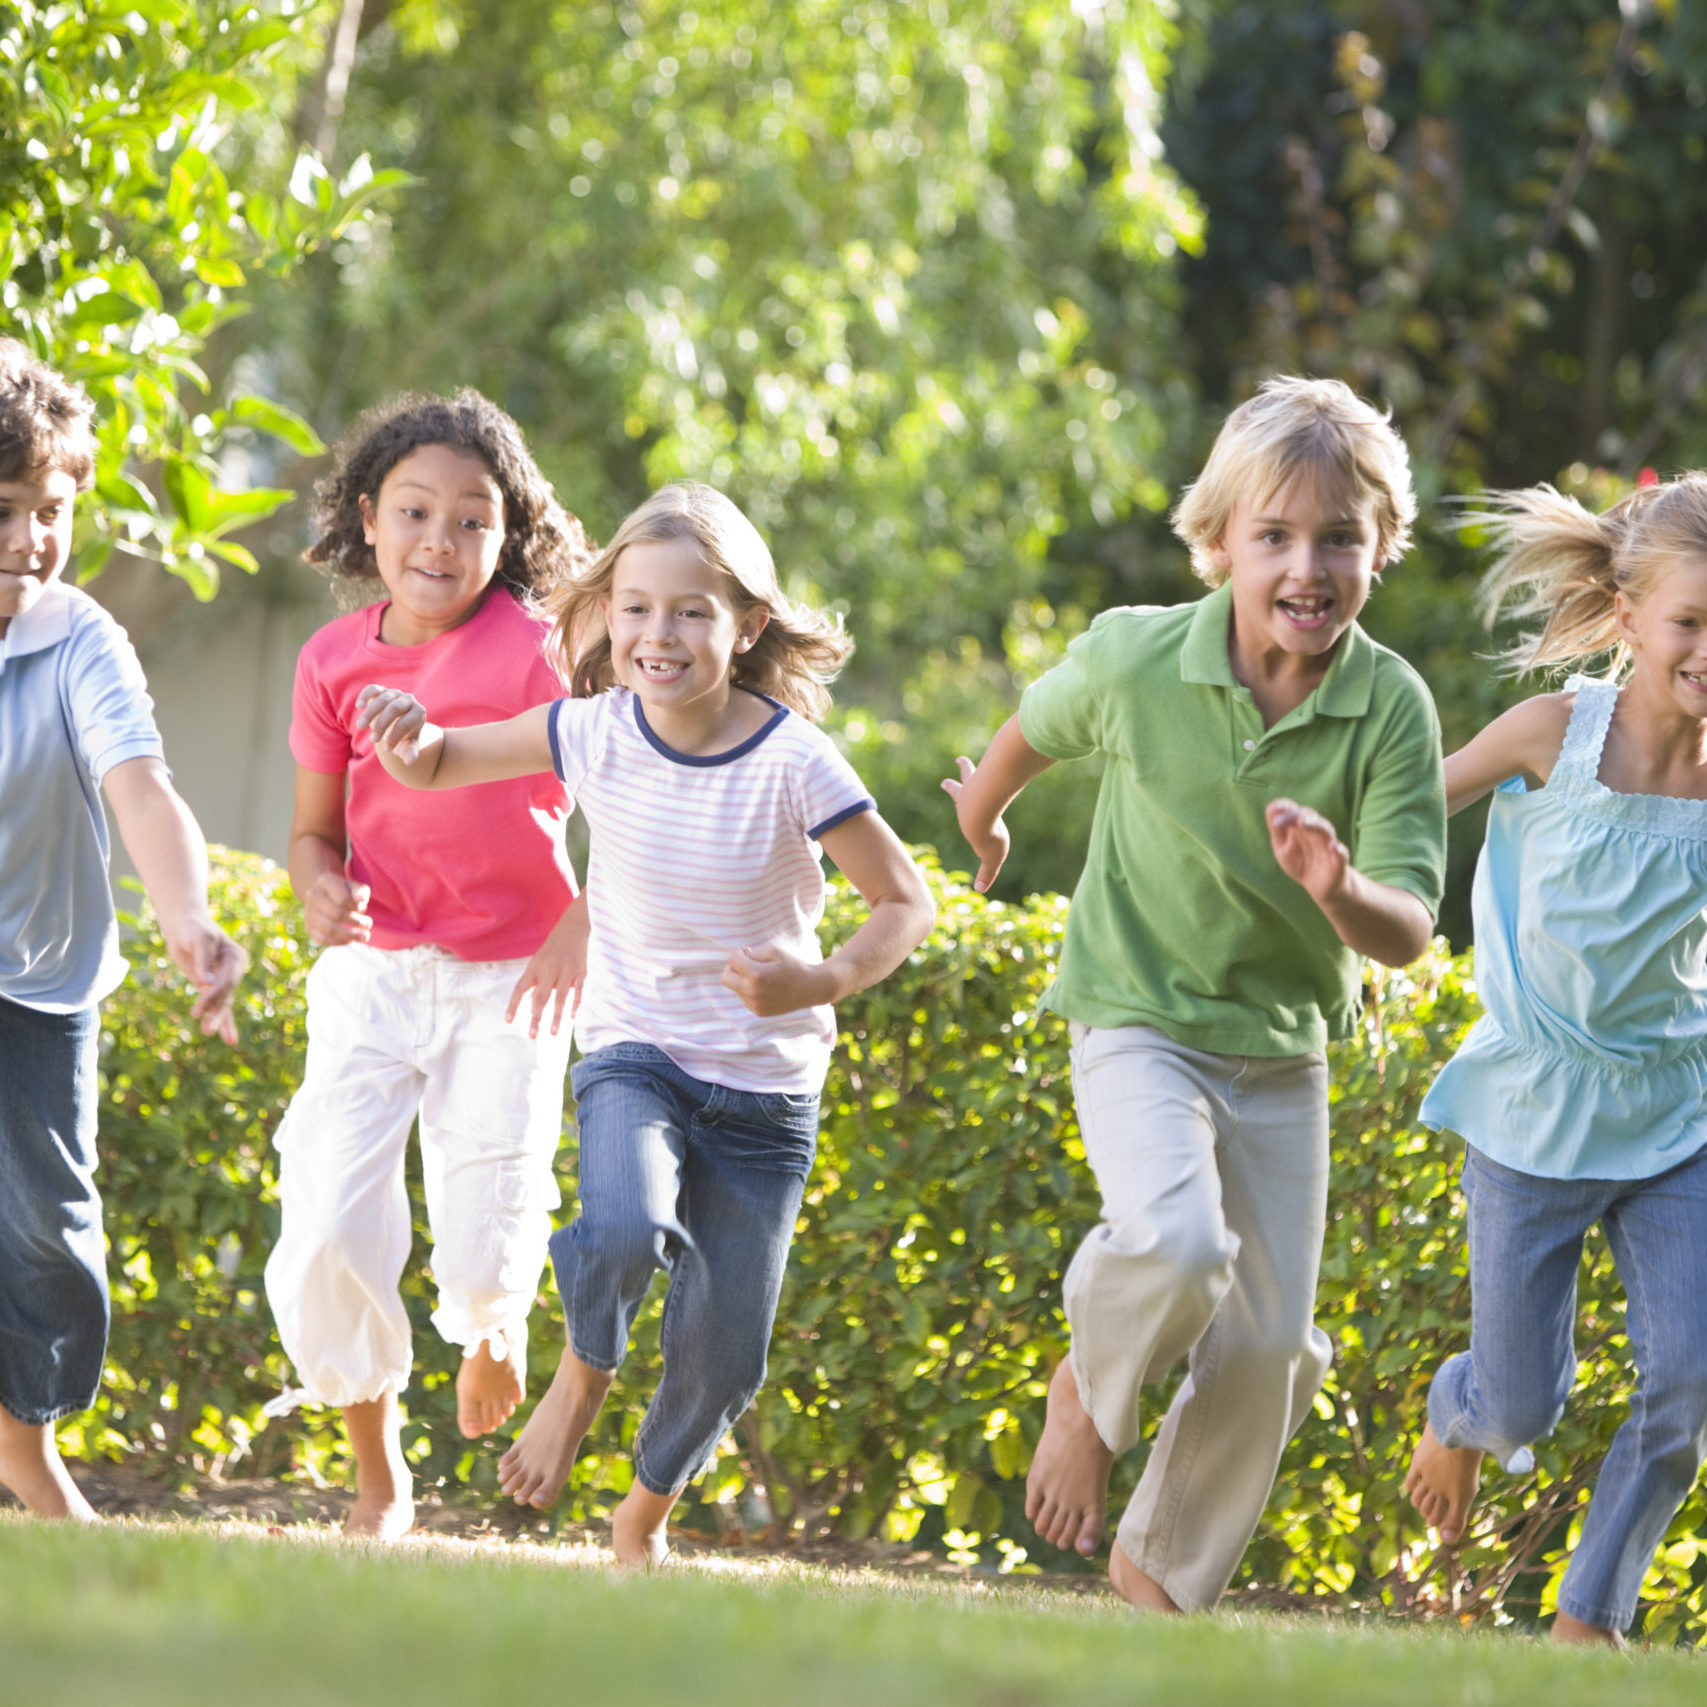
(437, 929)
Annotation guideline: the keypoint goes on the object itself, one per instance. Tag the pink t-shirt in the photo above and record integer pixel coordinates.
(480, 871)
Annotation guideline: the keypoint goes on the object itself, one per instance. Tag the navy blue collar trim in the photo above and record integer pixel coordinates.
(745, 747)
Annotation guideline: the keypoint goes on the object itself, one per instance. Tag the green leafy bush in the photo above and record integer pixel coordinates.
(921, 1315)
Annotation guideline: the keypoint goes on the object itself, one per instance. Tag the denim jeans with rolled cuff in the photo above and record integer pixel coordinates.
(1510, 1388)
(53, 1258)
(703, 1182)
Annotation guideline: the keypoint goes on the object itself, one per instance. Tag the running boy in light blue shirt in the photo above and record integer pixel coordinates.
(75, 719)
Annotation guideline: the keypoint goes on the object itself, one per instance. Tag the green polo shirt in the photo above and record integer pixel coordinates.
(1183, 919)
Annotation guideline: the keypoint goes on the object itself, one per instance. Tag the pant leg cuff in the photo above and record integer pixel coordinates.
(1597, 1617)
(664, 1490)
(45, 1418)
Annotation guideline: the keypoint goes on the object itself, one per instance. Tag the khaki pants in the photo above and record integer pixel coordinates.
(1213, 1171)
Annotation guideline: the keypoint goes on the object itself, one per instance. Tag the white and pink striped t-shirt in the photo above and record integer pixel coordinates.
(692, 856)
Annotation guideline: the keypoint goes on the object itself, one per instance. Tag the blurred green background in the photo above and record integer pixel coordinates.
(950, 297)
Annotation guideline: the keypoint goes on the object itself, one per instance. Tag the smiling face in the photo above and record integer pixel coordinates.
(1301, 564)
(35, 537)
(436, 529)
(1666, 631)
(674, 633)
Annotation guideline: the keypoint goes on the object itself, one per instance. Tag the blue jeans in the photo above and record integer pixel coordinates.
(704, 1183)
(53, 1256)
(1526, 1238)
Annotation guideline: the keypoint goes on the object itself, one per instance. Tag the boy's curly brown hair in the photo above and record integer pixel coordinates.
(46, 421)
(544, 544)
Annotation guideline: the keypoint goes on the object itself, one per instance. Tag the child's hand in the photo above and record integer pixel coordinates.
(771, 981)
(1309, 849)
(556, 972)
(214, 964)
(396, 718)
(990, 843)
(335, 910)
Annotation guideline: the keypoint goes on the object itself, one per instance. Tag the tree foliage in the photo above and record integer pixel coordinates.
(146, 177)
(896, 277)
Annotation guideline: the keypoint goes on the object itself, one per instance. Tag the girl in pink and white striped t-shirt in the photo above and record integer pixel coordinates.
(707, 1016)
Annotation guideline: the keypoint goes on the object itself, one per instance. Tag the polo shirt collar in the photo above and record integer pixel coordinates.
(1345, 691)
(44, 624)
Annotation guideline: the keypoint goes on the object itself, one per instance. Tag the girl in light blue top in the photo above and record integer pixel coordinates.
(1580, 1092)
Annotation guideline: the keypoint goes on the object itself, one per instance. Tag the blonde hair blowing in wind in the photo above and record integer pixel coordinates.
(798, 652)
(1315, 430)
(1562, 563)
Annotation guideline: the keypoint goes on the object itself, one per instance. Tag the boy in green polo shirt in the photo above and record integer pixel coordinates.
(1272, 810)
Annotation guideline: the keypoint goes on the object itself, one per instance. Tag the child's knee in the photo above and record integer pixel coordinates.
(1191, 1259)
(626, 1249)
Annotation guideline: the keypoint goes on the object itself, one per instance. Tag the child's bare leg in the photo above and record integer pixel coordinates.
(1442, 1484)
(30, 1466)
(1134, 1586)
(1066, 1494)
(534, 1470)
(385, 1490)
(488, 1389)
(637, 1526)
(1573, 1633)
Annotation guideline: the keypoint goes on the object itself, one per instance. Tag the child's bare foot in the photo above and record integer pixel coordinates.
(385, 1490)
(1442, 1483)
(637, 1527)
(488, 1389)
(534, 1470)
(30, 1466)
(1573, 1633)
(1066, 1494)
(1134, 1586)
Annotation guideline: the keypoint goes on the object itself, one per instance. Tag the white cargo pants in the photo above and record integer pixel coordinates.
(393, 1032)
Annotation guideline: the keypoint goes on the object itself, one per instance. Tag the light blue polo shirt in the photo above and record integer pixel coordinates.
(73, 703)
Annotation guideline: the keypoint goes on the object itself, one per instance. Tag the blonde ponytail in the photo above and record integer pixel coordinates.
(1562, 563)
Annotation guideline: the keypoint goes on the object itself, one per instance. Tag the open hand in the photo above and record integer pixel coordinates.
(1309, 849)
(555, 974)
(214, 964)
(990, 843)
(395, 718)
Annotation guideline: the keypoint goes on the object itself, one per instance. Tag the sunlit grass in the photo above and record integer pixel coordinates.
(139, 1615)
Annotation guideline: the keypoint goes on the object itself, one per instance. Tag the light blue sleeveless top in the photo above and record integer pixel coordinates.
(1590, 1061)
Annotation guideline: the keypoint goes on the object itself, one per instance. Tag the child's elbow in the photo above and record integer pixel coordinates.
(921, 908)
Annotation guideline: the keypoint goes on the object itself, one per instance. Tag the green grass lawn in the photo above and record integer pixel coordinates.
(134, 1615)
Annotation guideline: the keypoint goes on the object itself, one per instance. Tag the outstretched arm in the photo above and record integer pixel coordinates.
(423, 755)
(1380, 920)
(872, 858)
(170, 855)
(985, 791)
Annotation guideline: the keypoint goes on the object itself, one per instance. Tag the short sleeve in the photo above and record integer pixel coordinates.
(111, 713)
(828, 788)
(319, 740)
(575, 729)
(1060, 714)
(1400, 834)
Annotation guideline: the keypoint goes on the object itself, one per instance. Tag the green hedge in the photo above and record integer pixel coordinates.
(921, 1313)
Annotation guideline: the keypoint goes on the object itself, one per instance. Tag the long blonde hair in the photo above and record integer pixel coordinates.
(798, 652)
(1566, 565)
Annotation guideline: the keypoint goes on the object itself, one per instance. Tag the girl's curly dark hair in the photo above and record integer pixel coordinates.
(544, 544)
